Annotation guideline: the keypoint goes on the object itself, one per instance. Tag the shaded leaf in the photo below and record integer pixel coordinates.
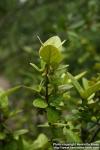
(53, 115)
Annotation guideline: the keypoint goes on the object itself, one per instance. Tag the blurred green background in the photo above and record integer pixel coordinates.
(77, 21)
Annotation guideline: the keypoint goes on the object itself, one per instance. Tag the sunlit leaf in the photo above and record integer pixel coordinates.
(40, 103)
(35, 67)
(65, 87)
(17, 133)
(94, 88)
(3, 100)
(54, 41)
(85, 83)
(71, 136)
(50, 54)
(11, 91)
(40, 142)
(76, 84)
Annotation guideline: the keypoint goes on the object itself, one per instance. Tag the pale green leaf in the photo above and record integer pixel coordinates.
(3, 100)
(11, 91)
(85, 83)
(77, 77)
(54, 41)
(40, 103)
(71, 136)
(40, 142)
(50, 54)
(17, 133)
(35, 67)
(94, 88)
(65, 87)
(76, 84)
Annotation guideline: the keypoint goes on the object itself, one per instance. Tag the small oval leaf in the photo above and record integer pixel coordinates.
(50, 54)
(39, 103)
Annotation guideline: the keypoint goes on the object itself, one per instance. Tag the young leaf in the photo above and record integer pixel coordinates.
(54, 41)
(50, 54)
(40, 103)
(65, 87)
(10, 91)
(16, 134)
(35, 67)
(76, 84)
(77, 77)
(3, 100)
(40, 142)
(92, 89)
(85, 83)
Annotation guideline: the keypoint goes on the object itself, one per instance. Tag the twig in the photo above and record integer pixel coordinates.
(46, 85)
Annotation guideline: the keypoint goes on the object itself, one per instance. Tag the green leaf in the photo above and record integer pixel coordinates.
(50, 54)
(62, 67)
(39, 103)
(53, 115)
(35, 67)
(3, 100)
(65, 87)
(14, 112)
(10, 91)
(85, 83)
(77, 77)
(40, 143)
(54, 41)
(56, 101)
(4, 94)
(16, 134)
(92, 89)
(71, 136)
(76, 84)
(45, 125)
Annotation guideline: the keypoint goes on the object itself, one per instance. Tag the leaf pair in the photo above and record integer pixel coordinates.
(88, 90)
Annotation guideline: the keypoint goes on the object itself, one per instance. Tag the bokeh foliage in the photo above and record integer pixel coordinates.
(76, 21)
